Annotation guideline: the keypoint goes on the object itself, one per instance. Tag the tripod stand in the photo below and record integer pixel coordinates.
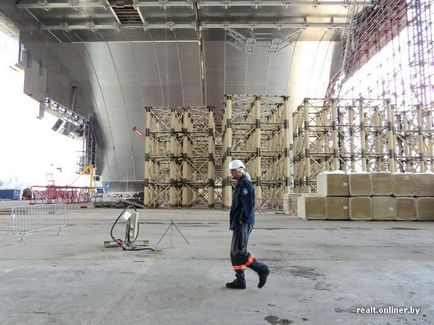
(171, 226)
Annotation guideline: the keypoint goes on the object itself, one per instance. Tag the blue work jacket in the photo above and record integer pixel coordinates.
(243, 203)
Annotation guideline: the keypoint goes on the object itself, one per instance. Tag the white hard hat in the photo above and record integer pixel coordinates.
(236, 164)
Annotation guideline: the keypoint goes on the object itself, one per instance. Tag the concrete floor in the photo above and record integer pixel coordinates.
(320, 272)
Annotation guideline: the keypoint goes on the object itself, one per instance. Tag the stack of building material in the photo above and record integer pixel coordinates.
(405, 208)
(361, 208)
(383, 204)
(335, 188)
(311, 207)
(360, 200)
(404, 191)
(370, 196)
(424, 193)
(332, 200)
(337, 208)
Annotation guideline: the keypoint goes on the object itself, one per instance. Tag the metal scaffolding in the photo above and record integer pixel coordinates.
(179, 156)
(355, 135)
(420, 15)
(373, 28)
(389, 55)
(257, 130)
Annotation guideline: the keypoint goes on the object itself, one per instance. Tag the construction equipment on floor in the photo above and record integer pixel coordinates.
(131, 216)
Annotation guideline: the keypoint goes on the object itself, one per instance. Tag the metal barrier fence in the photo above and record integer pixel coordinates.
(38, 217)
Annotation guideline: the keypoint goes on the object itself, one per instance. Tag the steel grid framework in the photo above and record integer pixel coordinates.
(359, 135)
(420, 15)
(402, 31)
(256, 130)
(179, 156)
(373, 28)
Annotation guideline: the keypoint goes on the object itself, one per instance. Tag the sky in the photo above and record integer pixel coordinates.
(31, 153)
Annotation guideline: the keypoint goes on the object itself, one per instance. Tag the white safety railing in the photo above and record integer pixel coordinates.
(38, 217)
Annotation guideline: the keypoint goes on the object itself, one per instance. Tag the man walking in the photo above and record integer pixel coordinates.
(242, 219)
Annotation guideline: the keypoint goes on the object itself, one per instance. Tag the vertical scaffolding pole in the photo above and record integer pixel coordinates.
(368, 153)
(391, 136)
(147, 167)
(295, 146)
(306, 153)
(377, 139)
(430, 138)
(362, 136)
(343, 150)
(257, 116)
(351, 133)
(406, 146)
(335, 163)
(287, 143)
(173, 199)
(187, 195)
(421, 141)
(211, 158)
(227, 145)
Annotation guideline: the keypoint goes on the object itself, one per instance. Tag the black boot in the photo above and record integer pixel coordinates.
(239, 282)
(262, 269)
(263, 278)
(236, 284)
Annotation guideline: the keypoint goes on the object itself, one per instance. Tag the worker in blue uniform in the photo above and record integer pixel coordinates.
(242, 219)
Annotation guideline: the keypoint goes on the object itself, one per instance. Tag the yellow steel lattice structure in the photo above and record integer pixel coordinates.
(257, 130)
(356, 135)
(179, 156)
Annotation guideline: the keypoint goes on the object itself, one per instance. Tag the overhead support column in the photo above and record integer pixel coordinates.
(363, 151)
(306, 153)
(421, 140)
(173, 171)
(287, 143)
(391, 136)
(406, 147)
(351, 133)
(377, 120)
(257, 139)
(147, 167)
(211, 158)
(227, 145)
(335, 164)
(430, 137)
(187, 154)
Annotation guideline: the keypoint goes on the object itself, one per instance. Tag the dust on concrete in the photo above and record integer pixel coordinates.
(323, 286)
(305, 272)
(274, 320)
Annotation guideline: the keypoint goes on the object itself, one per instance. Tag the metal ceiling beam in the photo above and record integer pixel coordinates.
(282, 3)
(92, 27)
(7, 26)
(45, 4)
(203, 26)
(273, 25)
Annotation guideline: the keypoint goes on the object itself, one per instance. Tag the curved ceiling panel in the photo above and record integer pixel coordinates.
(231, 71)
(121, 69)
(124, 78)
